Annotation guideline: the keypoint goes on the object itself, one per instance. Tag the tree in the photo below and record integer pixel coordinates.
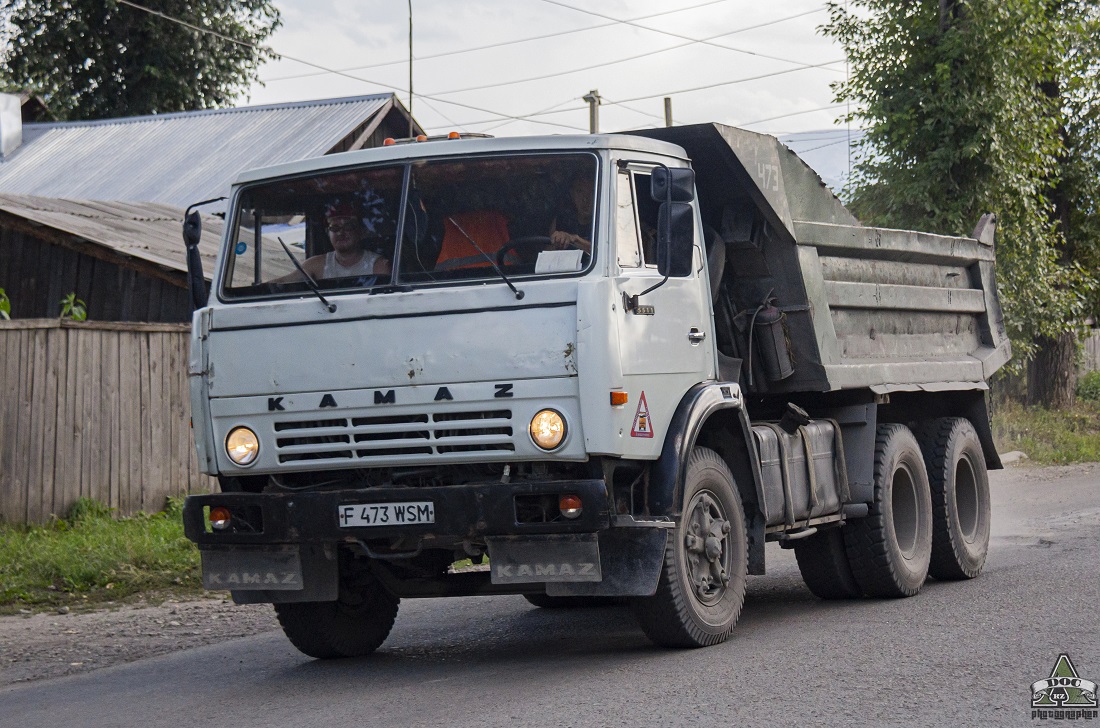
(92, 59)
(962, 120)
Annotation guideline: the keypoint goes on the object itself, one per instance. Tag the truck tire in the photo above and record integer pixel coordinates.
(545, 601)
(889, 550)
(354, 625)
(823, 561)
(960, 497)
(702, 584)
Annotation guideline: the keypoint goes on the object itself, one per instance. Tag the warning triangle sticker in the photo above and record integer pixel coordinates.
(643, 425)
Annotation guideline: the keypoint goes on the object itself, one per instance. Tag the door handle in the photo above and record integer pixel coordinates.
(695, 336)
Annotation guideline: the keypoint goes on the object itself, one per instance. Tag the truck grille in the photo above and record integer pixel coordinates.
(363, 439)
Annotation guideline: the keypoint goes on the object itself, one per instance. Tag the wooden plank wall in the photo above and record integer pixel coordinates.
(97, 410)
(37, 274)
(1091, 362)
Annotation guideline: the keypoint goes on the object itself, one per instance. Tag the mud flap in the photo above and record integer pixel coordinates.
(538, 559)
(270, 574)
(630, 561)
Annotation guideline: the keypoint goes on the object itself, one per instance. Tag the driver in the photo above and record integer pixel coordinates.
(350, 256)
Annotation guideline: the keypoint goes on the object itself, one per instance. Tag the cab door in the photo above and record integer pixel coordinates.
(666, 342)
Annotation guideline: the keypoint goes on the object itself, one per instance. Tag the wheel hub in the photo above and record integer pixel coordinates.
(707, 547)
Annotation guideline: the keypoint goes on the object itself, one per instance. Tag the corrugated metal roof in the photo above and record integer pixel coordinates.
(149, 231)
(176, 159)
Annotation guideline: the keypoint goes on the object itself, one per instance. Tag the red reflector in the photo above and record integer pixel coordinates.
(220, 517)
(454, 135)
(421, 138)
(389, 142)
(618, 398)
(570, 505)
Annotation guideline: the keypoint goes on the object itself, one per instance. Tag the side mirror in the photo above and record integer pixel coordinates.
(675, 239)
(192, 232)
(680, 182)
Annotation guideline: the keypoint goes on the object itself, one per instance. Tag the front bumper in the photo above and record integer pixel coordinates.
(461, 512)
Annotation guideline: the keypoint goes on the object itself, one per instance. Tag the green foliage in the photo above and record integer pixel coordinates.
(93, 59)
(73, 308)
(92, 557)
(989, 107)
(5, 305)
(1088, 387)
(1049, 437)
(86, 509)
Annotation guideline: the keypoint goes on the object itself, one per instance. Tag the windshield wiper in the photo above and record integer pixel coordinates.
(312, 284)
(519, 293)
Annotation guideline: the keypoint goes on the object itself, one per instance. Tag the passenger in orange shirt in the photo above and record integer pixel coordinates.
(472, 239)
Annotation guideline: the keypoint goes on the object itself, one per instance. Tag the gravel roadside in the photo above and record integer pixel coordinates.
(49, 644)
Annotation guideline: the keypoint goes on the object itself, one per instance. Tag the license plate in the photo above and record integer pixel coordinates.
(385, 514)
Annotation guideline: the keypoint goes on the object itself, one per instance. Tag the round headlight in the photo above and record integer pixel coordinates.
(548, 429)
(242, 446)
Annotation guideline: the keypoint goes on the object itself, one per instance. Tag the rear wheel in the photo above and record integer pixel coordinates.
(823, 561)
(960, 497)
(702, 585)
(889, 550)
(354, 625)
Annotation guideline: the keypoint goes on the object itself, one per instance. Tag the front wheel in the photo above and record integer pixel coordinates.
(702, 585)
(354, 625)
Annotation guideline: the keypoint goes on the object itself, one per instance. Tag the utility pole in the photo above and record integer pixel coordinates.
(593, 99)
(668, 111)
(411, 129)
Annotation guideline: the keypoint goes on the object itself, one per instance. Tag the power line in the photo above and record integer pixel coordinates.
(605, 64)
(330, 70)
(727, 83)
(512, 42)
(814, 149)
(682, 37)
(547, 110)
(793, 113)
(636, 110)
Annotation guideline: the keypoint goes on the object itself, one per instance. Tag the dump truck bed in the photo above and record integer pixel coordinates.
(863, 307)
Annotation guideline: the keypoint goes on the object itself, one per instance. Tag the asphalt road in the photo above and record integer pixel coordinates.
(958, 654)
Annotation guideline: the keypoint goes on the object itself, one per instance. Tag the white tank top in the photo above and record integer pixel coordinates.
(365, 266)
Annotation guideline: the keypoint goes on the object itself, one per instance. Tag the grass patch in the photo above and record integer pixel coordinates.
(91, 557)
(1050, 437)
(1088, 387)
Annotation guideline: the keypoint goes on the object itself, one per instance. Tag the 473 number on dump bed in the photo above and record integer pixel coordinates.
(385, 514)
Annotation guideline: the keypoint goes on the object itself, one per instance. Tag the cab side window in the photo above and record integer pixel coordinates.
(627, 247)
(647, 218)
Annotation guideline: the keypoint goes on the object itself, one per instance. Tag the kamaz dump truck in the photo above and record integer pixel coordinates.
(600, 368)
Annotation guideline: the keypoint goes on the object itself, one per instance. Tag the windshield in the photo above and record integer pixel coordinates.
(468, 219)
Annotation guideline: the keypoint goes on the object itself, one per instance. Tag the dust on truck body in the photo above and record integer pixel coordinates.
(721, 355)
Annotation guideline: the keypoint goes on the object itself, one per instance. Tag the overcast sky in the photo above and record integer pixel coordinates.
(631, 66)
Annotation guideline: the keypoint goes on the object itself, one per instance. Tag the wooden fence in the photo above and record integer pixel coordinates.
(1091, 361)
(97, 410)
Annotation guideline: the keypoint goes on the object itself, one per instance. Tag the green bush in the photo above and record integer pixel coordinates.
(1088, 387)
